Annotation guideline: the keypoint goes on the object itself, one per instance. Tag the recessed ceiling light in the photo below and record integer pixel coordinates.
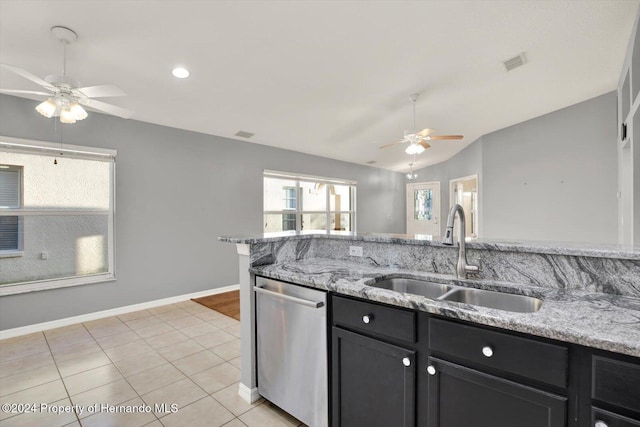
(179, 72)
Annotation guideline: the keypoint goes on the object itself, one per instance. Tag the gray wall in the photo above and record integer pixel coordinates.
(553, 177)
(176, 192)
(465, 163)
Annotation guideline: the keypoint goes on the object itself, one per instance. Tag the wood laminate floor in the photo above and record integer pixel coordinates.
(227, 303)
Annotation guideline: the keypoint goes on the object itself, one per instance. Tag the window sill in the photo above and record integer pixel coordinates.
(11, 254)
(41, 285)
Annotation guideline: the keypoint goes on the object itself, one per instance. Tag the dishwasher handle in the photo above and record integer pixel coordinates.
(312, 304)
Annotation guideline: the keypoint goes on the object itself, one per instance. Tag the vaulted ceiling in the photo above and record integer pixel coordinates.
(330, 78)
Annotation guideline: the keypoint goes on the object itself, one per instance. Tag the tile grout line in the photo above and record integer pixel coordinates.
(60, 375)
(189, 339)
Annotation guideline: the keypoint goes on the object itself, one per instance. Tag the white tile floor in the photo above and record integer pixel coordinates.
(181, 354)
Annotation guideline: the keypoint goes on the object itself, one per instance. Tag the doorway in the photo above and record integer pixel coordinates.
(423, 208)
(464, 192)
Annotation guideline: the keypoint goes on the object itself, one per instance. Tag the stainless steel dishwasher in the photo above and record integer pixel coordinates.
(291, 335)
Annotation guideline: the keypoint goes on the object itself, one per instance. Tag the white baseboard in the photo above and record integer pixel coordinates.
(39, 327)
(250, 395)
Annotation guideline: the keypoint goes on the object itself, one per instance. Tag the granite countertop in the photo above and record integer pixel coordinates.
(604, 321)
(598, 250)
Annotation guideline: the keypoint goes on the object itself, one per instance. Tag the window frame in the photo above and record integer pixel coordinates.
(18, 145)
(299, 210)
(18, 251)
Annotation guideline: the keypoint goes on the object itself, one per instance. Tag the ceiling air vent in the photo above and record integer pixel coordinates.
(243, 134)
(515, 62)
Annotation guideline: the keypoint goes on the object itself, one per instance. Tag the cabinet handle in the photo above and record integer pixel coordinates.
(367, 318)
(431, 370)
(488, 352)
(406, 361)
(600, 424)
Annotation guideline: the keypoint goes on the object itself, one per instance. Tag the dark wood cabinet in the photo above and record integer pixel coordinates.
(483, 377)
(613, 390)
(531, 359)
(373, 382)
(389, 323)
(616, 382)
(602, 418)
(460, 397)
(393, 366)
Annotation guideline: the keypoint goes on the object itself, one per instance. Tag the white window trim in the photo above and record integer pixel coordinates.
(74, 151)
(11, 254)
(41, 285)
(299, 210)
(17, 252)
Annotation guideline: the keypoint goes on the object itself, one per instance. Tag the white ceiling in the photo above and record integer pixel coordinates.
(330, 78)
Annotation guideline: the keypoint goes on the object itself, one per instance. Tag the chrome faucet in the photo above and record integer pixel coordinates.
(462, 268)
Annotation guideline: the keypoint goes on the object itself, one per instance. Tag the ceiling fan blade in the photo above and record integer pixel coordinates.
(425, 132)
(393, 143)
(433, 137)
(102, 91)
(424, 144)
(27, 75)
(23, 92)
(107, 108)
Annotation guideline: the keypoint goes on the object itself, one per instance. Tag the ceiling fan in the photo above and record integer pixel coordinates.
(65, 97)
(418, 140)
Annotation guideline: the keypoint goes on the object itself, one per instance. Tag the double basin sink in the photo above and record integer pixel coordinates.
(444, 292)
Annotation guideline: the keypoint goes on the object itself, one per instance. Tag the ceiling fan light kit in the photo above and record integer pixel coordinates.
(414, 148)
(48, 108)
(418, 140)
(65, 97)
(68, 111)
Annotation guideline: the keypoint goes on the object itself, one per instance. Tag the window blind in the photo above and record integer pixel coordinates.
(9, 187)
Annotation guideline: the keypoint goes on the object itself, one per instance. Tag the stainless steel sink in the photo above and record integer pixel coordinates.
(413, 286)
(492, 299)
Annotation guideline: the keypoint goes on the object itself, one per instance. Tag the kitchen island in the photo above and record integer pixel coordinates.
(590, 294)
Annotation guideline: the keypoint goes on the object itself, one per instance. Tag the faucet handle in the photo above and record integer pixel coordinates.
(473, 269)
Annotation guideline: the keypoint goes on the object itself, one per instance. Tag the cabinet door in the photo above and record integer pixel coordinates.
(463, 397)
(373, 382)
(602, 418)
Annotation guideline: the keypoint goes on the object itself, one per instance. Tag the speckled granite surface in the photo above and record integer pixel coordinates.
(608, 322)
(525, 246)
(551, 271)
(591, 293)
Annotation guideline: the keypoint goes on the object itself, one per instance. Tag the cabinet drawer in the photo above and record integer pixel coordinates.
(616, 382)
(611, 420)
(387, 321)
(544, 362)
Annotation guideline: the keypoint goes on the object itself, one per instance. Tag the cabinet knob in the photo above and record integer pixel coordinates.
(431, 370)
(600, 424)
(367, 318)
(406, 361)
(488, 352)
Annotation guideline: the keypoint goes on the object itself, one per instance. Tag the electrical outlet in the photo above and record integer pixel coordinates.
(44, 255)
(355, 250)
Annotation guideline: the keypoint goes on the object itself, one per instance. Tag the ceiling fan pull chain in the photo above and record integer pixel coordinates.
(64, 57)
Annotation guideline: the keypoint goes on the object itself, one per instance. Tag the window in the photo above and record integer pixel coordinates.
(56, 215)
(300, 202)
(290, 198)
(290, 203)
(10, 198)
